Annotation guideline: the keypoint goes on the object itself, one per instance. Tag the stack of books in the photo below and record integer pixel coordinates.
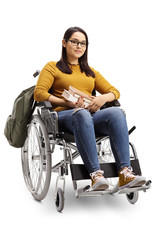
(74, 94)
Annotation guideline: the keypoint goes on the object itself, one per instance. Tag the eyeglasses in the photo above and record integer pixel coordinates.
(76, 43)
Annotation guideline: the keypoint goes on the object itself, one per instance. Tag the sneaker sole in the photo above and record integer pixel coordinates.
(137, 182)
(100, 186)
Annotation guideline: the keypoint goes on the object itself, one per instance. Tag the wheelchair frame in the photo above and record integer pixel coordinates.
(43, 136)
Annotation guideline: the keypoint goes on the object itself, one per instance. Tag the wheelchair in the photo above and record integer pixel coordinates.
(36, 154)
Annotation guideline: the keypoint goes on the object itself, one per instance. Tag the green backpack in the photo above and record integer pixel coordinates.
(16, 125)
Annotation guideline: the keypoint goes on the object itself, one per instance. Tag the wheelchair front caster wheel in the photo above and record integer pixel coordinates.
(59, 200)
(132, 197)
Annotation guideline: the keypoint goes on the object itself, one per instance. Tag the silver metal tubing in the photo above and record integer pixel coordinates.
(99, 140)
(56, 167)
(71, 146)
(133, 150)
(75, 155)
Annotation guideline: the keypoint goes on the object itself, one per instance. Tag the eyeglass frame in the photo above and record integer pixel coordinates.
(77, 43)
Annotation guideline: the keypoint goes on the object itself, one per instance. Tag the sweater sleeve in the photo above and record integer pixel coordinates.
(44, 83)
(103, 86)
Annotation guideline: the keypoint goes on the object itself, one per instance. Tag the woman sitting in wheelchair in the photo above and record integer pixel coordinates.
(84, 122)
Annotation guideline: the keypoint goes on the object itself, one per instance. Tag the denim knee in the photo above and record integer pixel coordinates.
(117, 111)
(82, 116)
(117, 114)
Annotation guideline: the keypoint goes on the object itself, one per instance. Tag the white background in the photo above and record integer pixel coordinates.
(124, 37)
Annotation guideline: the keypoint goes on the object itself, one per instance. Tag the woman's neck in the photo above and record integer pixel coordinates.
(75, 64)
(73, 61)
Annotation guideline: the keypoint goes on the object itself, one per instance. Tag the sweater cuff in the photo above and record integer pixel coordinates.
(116, 94)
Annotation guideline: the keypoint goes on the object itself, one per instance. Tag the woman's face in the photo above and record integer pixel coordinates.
(75, 47)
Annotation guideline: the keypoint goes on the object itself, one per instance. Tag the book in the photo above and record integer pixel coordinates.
(74, 94)
(77, 93)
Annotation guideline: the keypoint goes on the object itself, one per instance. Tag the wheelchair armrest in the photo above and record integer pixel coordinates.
(45, 104)
(114, 103)
(50, 118)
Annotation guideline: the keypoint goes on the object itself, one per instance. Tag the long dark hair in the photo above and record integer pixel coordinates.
(63, 66)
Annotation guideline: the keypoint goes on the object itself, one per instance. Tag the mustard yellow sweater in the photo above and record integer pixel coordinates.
(51, 78)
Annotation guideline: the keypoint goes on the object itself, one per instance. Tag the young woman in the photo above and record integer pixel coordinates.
(73, 70)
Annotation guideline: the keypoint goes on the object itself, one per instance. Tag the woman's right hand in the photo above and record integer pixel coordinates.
(79, 103)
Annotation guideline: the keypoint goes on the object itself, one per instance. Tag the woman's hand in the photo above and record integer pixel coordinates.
(99, 101)
(78, 104)
(96, 103)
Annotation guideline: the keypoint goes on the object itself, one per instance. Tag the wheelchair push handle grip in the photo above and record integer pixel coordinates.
(36, 73)
(131, 130)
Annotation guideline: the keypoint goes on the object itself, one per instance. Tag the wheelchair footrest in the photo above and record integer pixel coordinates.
(135, 189)
(88, 191)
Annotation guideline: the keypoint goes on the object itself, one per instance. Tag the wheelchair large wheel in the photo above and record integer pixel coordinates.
(36, 159)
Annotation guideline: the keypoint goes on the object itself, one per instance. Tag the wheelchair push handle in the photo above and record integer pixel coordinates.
(36, 73)
(131, 130)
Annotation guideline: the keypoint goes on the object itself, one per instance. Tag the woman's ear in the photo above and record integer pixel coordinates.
(63, 43)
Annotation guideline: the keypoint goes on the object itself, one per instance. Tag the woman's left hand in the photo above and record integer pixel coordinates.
(96, 103)
(99, 101)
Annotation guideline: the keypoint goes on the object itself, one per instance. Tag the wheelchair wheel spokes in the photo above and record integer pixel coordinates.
(36, 159)
(105, 151)
(106, 156)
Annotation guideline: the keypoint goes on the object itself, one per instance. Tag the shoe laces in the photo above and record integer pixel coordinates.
(97, 175)
(127, 172)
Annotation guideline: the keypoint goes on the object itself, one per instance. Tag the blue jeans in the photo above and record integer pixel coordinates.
(110, 121)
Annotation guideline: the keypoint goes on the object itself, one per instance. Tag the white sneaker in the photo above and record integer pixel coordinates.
(98, 180)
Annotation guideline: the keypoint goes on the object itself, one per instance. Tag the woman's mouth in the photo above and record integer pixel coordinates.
(78, 51)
